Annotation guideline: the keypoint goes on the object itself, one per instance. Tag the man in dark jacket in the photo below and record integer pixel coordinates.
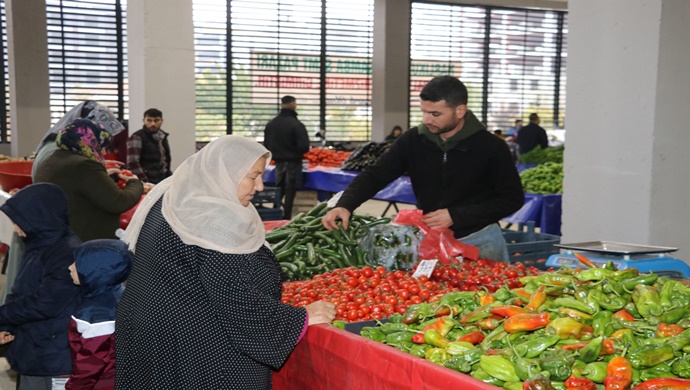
(148, 151)
(463, 176)
(532, 135)
(287, 139)
(37, 312)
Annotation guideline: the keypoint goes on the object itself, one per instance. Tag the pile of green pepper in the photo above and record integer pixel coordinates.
(570, 329)
(543, 179)
(305, 248)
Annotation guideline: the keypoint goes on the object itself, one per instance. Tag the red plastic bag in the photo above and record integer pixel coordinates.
(437, 243)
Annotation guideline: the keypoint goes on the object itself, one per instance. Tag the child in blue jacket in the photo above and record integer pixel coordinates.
(43, 298)
(100, 268)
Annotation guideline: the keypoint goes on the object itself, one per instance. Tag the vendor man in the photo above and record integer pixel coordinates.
(462, 175)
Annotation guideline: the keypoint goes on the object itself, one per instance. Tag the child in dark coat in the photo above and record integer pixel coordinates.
(100, 268)
(37, 311)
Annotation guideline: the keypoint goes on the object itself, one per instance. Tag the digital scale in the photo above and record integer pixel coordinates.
(643, 257)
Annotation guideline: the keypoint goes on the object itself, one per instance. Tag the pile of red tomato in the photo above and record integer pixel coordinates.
(373, 293)
(326, 157)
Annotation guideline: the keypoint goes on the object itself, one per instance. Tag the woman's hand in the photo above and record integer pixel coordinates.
(127, 175)
(6, 337)
(320, 312)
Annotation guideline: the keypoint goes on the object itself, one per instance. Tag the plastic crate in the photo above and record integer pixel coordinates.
(530, 248)
(268, 195)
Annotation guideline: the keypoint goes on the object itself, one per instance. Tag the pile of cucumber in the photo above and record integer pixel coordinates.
(305, 248)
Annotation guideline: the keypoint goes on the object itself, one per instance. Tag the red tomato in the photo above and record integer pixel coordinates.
(352, 315)
(367, 271)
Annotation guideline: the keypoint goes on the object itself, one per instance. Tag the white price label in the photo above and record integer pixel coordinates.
(425, 267)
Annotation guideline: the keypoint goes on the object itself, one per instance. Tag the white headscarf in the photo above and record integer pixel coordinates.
(201, 203)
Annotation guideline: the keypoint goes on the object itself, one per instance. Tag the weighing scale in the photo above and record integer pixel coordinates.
(643, 257)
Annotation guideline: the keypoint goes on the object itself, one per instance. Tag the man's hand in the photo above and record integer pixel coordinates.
(6, 337)
(320, 312)
(339, 213)
(438, 219)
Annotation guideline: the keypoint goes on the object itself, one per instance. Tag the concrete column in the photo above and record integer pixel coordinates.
(626, 159)
(391, 63)
(27, 53)
(160, 39)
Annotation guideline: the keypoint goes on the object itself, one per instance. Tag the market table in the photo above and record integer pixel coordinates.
(331, 358)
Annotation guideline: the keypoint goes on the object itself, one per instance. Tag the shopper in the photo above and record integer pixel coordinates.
(95, 200)
(88, 109)
(100, 267)
(37, 311)
(532, 135)
(462, 175)
(148, 150)
(395, 133)
(202, 306)
(287, 139)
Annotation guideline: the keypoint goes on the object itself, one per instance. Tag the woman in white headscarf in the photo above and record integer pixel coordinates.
(202, 306)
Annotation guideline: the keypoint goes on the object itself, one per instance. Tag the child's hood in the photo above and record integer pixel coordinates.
(40, 210)
(102, 265)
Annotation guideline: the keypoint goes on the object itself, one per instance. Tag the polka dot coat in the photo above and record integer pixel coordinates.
(192, 318)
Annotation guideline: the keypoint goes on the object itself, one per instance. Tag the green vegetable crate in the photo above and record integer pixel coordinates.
(529, 247)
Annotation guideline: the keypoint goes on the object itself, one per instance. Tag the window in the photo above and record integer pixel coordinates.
(511, 60)
(87, 55)
(316, 50)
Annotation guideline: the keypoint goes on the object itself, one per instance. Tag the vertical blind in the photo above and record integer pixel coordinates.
(5, 133)
(87, 54)
(318, 51)
(511, 60)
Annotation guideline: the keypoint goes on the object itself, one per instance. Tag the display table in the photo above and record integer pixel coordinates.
(331, 358)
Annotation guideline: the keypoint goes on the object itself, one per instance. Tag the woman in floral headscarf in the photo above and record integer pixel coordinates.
(95, 202)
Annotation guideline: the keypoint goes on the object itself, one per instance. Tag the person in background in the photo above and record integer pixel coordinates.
(193, 270)
(37, 311)
(532, 135)
(148, 150)
(287, 139)
(395, 133)
(88, 109)
(462, 175)
(100, 268)
(118, 145)
(512, 131)
(95, 200)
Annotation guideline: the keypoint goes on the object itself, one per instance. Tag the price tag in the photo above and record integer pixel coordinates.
(425, 267)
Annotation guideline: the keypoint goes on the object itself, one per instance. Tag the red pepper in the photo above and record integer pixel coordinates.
(607, 347)
(418, 338)
(537, 299)
(473, 337)
(522, 292)
(526, 322)
(575, 383)
(489, 323)
(623, 314)
(443, 311)
(574, 347)
(486, 299)
(585, 260)
(507, 310)
(664, 384)
(668, 330)
(618, 374)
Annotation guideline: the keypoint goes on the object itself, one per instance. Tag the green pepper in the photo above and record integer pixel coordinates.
(580, 295)
(502, 294)
(679, 341)
(610, 265)
(498, 367)
(602, 323)
(578, 367)
(625, 274)
(665, 295)
(459, 347)
(396, 338)
(646, 300)
(609, 302)
(592, 300)
(659, 371)
(435, 338)
(681, 367)
(593, 274)
(512, 386)
(646, 356)
(535, 347)
(458, 363)
(573, 304)
(645, 279)
(338, 324)
(491, 336)
(591, 351)
(437, 355)
(391, 327)
(558, 364)
(632, 309)
(684, 323)
(596, 371)
(526, 368)
(419, 350)
(552, 279)
(404, 345)
(395, 318)
(484, 376)
(417, 312)
(674, 316)
(612, 287)
(373, 333)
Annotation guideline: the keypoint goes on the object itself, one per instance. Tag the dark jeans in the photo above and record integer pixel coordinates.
(289, 180)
